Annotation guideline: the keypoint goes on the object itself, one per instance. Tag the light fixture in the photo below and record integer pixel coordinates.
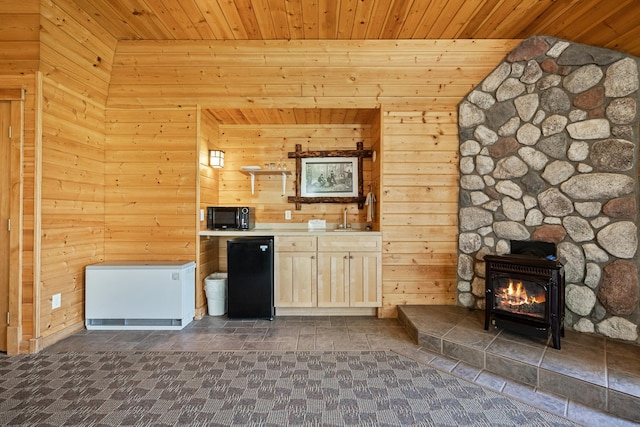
(216, 158)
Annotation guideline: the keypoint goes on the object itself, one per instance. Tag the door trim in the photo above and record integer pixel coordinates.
(14, 330)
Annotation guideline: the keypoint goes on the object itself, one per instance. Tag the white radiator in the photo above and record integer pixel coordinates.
(140, 295)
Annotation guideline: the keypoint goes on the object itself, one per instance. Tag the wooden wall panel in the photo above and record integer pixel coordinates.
(72, 193)
(76, 58)
(419, 207)
(19, 37)
(417, 85)
(209, 181)
(246, 145)
(302, 74)
(151, 178)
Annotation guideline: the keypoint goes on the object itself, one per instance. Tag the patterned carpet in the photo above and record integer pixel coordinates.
(374, 388)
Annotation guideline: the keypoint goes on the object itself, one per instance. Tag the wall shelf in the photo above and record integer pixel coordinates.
(253, 173)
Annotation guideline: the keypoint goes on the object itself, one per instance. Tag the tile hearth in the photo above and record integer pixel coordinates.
(601, 373)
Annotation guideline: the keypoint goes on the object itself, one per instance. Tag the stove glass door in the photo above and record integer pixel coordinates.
(520, 296)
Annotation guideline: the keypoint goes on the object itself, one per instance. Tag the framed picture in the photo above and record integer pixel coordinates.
(329, 177)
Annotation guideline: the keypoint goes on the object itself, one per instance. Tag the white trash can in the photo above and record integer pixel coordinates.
(215, 288)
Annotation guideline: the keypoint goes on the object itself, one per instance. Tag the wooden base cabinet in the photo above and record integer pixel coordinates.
(296, 271)
(328, 271)
(349, 271)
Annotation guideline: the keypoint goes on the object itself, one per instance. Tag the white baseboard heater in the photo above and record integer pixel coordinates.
(140, 295)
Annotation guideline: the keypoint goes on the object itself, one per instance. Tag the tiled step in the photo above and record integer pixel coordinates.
(596, 371)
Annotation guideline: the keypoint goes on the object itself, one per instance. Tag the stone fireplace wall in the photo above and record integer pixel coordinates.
(548, 152)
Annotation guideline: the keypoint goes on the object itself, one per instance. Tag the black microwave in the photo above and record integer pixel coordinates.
(230, 218)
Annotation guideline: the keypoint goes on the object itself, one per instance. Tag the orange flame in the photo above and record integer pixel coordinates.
(516, 294)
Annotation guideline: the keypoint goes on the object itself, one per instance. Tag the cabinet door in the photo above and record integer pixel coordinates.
(333, 279)
(296, 284)
(365, 279)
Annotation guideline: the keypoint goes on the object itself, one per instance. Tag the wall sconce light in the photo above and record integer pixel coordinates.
(216, 158)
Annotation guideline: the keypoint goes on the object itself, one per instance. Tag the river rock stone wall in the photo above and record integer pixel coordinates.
(548, 152)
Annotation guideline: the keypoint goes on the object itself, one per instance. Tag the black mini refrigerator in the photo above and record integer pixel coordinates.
(250, 278)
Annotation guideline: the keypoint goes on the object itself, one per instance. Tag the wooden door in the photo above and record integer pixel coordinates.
(296, 279)
(333, 279)
(5, 207)
(365, 282)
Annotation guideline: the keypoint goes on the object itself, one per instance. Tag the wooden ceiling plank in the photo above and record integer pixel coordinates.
(547, 21)
(429, 19)
(414, 17)
(328, 19)
(295, 18)
(111, 19)
(589, 22)
(361, 20)
(310, 13)
(145, 17)
(178, 26)
(325, 115)
(212, 13)
(194, 15)
(522, 12)
(338, 115)
(458, 22)
(248, 21)
(498, 16)
(263, 18)
(479, 17)
(300, 115)
(395, 18)
(287, 116)
(279, 18)
(346, 17)
(232, 16)
(378, 16)
(447, 22)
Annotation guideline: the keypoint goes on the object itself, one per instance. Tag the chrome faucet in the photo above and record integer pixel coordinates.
(344, 218)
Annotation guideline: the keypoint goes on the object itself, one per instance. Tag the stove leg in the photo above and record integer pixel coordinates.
(556, 331)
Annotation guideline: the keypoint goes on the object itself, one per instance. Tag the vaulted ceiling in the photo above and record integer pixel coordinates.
(608, 23)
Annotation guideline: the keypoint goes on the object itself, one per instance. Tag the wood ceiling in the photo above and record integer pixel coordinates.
(608, 23)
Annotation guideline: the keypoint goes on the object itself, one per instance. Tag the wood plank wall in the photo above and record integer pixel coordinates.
(76, 60)
(419, 207)
(19, 37)
(417, 84)
(246, 145)
(150, 184)
(209, 183)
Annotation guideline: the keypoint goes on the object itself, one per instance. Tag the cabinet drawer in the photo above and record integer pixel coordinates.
(295, 243)
(350, 243)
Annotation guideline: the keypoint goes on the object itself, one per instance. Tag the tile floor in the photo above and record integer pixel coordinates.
(324, 333)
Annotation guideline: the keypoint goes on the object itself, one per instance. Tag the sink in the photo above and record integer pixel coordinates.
(347, 230)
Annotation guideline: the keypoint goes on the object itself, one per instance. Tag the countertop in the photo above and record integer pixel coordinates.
(286, 230)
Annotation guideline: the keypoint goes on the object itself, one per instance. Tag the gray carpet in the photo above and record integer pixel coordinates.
(374, 388)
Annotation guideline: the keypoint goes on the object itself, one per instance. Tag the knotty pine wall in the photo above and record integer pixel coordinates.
(419, 207)
(209, 183)
(150, 184)
(417, 84)
(75, 64)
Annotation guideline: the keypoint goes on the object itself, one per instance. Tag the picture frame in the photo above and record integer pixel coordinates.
(347, 184)
(329, 177)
